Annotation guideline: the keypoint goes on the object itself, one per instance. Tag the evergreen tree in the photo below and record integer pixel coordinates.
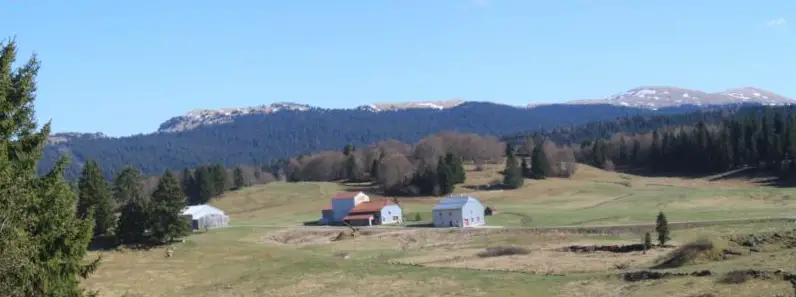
(126, 185)
(662, 227)
(95, 199)
(352, 169)
(512, 174)
(219, 174)
(204, 186)
(445, 178)
(624, 155)
(133, 218)
(540, 169)
(238, 179)
(635, 157)
(188, 184)
(165, 210)
(647, 241)
(456, 167)
(42, 241)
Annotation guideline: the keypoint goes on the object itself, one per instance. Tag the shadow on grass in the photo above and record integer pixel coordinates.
(110, 243)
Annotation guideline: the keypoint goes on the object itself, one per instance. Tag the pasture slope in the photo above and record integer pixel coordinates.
(267, 252)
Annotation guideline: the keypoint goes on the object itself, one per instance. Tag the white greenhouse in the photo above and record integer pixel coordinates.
(205, 217)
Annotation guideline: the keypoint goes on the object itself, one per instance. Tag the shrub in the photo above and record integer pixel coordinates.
(503, 251)
(647, 240)
(735, 277)
(700, 250)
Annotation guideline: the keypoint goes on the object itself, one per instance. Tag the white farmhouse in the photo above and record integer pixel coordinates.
(458, 211)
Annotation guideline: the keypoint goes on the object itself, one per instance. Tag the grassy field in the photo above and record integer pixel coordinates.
(251, 259)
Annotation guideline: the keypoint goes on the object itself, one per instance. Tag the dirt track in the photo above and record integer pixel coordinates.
(597, 229)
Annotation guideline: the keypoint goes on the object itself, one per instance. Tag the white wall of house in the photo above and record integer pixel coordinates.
(447, 218)
(391, 214)
(473, 214)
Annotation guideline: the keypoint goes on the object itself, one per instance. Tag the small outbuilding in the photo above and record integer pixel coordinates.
(204, 216)
(458, 211)
(374, 213)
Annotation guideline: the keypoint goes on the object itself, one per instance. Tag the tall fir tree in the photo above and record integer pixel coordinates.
(352, 169)
(204, 185)
(43, 241)
(165, 210)
(445, 177)
(133, 217)
(188, 184)
(239, 180)
(127, 185)
(457, 168)
(624, 154)
(512, 174)
(662, 227)
(95, 199)
(219, 174)
(540, 169)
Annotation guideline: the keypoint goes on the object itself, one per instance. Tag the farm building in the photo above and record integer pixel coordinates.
(355, 208)
(205, 216)
(374, 213)
(458, 211)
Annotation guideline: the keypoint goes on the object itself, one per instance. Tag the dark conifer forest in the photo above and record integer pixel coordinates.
(262, 139)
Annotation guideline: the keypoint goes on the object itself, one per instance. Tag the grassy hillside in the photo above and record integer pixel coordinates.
(591, 197)
(248, 259)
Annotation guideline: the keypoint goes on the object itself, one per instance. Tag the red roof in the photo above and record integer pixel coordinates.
(346, 195)
(371, 206)
(358, 217)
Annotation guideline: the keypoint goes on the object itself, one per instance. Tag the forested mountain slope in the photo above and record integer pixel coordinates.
(260, 138)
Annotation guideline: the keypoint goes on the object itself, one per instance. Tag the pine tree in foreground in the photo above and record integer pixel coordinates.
(95, 198)
(42, 241)
(165, 210)
(662, 227)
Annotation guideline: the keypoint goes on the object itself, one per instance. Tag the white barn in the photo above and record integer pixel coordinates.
(205, 216)
(458, 211)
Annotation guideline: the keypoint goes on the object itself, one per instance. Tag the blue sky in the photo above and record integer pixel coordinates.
(123, 67)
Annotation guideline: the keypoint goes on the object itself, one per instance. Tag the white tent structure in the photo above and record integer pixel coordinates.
(204, 216)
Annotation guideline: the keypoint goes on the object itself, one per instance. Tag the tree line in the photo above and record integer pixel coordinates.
(432, 166)
(760, 137)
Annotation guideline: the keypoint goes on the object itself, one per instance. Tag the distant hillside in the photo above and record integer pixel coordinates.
(260, 138)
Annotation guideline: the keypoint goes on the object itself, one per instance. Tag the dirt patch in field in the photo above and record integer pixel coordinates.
(766, 240)
(604, 248)
(537, 260)
(642, 275)
(304, 236)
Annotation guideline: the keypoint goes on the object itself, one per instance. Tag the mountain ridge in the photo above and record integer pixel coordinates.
(651, 97)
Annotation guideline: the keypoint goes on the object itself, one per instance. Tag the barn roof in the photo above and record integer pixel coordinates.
(371, 206)
(346, 195)
(454, 202)
(201, 210)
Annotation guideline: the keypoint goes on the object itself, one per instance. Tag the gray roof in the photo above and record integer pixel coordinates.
(454, 202)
